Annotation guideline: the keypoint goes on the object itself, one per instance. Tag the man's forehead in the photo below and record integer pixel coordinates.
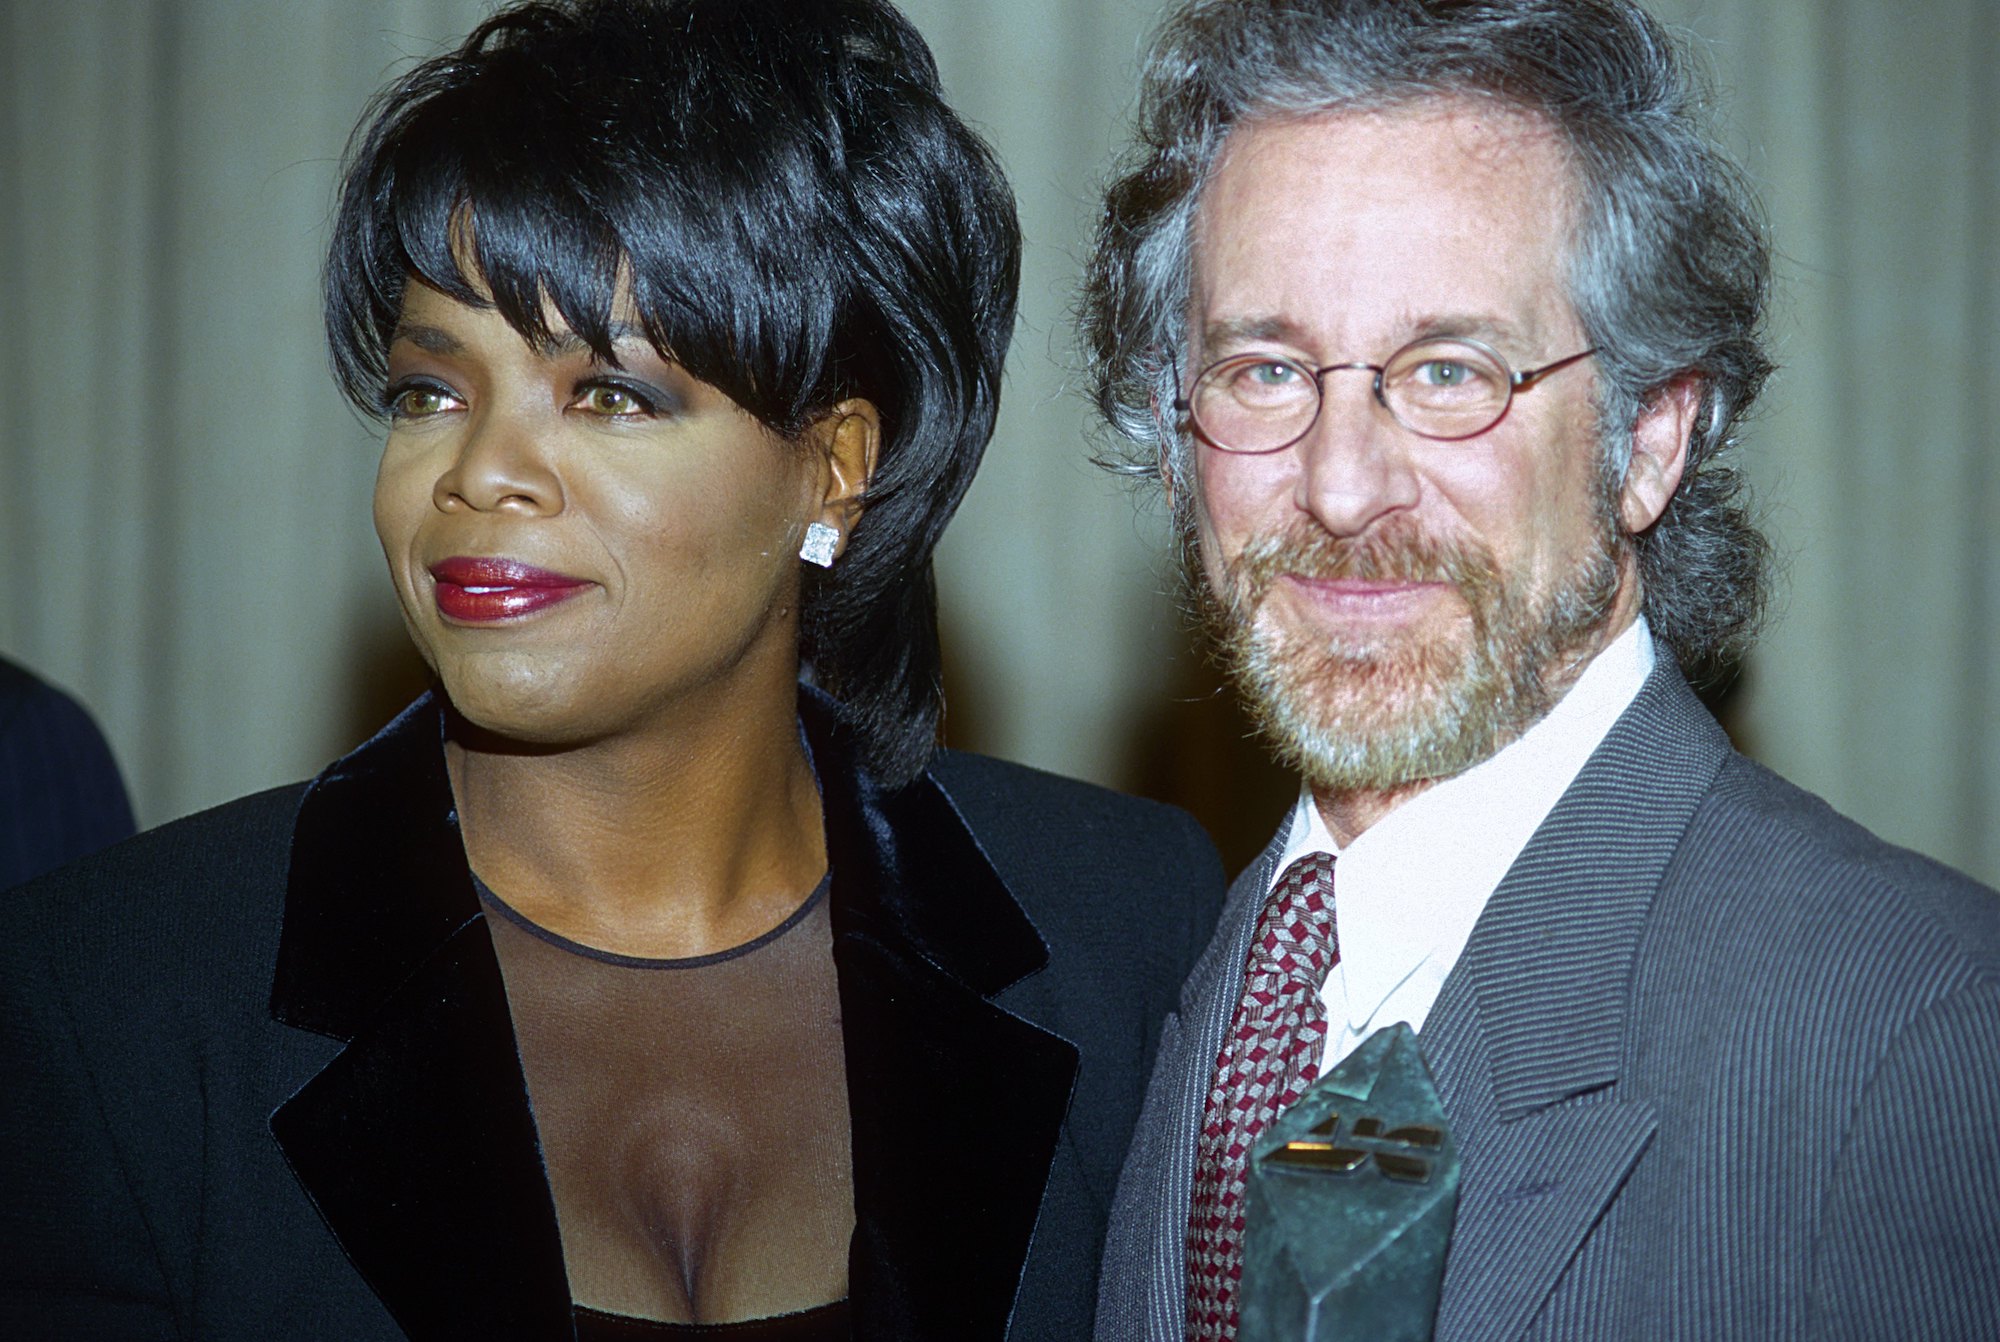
(1447, 213)
(1480, 124)
(1452, 135)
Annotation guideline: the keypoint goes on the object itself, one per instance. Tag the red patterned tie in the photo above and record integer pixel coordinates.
(1270, 1055)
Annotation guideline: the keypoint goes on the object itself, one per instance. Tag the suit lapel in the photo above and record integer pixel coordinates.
(1528, 1036)
(1208, 1005)
(416, 1142)
(1143, 1290)
(956, 1104)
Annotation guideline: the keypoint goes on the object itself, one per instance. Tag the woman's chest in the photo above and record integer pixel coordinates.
(693, 1121)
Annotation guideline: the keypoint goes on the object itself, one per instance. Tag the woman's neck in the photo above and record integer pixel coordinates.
(689, 834)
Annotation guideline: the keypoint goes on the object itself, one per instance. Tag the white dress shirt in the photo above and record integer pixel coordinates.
(1409, 889)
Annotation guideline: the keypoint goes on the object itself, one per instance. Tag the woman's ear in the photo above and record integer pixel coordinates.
(1659, 454)
(850, 444)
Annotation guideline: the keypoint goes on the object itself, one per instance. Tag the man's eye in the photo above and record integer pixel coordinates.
(1444, 373)
(1266, 382)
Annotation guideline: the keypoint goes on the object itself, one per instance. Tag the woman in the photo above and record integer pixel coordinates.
(622, 987)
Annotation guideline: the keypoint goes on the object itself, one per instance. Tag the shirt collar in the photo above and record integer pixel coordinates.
(1408, 890)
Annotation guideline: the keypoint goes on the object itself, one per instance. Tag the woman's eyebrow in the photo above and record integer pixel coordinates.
(430, 339)
(557, 344)
(563, 343)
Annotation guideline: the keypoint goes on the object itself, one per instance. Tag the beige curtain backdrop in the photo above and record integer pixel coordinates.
(184, 534)
(1873, 132)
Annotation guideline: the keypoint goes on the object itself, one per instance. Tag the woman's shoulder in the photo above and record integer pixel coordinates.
(1043, 826)
(236, 839)
(191, 892)
(999, 788)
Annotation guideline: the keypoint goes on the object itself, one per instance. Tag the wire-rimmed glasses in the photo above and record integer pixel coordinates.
(1444, 387)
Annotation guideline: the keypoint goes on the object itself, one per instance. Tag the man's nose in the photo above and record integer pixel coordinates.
(1355, 466)
(503, 464)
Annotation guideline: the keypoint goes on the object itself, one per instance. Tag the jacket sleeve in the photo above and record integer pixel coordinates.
(77, 1259)
(1910, 1235)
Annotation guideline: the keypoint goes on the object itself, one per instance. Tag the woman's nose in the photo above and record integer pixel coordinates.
(1355, 466)
(502, 464)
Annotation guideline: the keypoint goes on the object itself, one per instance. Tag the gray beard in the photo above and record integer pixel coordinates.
(1368, 715)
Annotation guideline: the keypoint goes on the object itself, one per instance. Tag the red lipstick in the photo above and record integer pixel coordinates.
(481, 591)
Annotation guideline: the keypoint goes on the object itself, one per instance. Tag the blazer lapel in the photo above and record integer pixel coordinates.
(415, 1142)
(1528, 1036)
(956, 1104)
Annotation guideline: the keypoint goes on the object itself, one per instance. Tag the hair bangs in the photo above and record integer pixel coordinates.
(509, 198)
(484, 220)
(730, 276)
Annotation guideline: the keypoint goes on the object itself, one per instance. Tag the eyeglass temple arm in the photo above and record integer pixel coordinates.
(1527, 379)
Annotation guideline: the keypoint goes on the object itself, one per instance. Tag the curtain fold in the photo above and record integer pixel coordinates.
(1870, 132)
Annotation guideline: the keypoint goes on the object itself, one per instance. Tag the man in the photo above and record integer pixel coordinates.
(1436, 319)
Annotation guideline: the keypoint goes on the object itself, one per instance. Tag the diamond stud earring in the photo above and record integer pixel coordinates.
(819, 543)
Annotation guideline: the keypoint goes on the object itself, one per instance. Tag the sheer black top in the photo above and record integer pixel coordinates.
(694, 1126)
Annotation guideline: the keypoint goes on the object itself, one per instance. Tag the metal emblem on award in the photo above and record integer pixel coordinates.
(1349, 1204)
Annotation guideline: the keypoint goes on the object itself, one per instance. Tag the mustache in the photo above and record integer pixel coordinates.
(1396, 552)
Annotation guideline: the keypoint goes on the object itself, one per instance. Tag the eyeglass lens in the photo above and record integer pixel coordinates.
(1438, 388)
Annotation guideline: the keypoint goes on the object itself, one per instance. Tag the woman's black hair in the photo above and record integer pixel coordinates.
(801, 218)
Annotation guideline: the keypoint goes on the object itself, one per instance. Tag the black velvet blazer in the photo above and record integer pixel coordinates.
(258, 1078)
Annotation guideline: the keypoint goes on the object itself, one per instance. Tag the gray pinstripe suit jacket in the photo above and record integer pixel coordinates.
(1721, 1065)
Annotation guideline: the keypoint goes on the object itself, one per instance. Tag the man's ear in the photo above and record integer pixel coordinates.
(850, 440)
(1659, 453)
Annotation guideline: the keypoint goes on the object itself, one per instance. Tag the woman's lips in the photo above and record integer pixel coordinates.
(481, 591)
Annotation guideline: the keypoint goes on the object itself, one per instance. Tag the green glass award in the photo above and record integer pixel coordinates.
(1349, 1204)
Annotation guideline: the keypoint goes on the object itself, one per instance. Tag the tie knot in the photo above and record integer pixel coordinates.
(1295, 938)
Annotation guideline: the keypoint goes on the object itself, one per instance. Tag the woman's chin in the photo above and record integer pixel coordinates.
(544, 711)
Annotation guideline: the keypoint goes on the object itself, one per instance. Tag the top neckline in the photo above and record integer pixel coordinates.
(513, 915)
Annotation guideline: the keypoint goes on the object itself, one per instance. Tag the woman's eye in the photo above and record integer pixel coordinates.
(417, 400)
(613, 401)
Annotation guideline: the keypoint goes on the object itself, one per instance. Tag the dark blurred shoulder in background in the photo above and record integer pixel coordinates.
(61, 796)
